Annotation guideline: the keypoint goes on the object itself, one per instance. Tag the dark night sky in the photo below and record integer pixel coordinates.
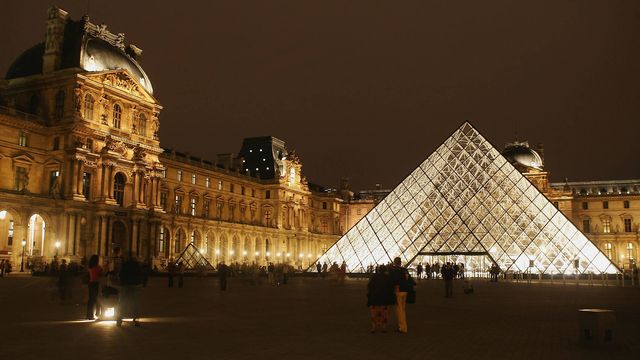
(368, 89)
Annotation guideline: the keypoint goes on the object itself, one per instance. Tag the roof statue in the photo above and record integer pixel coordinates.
(467, 199)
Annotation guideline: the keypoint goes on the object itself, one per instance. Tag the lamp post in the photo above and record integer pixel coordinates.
(24, 242)
(57, 247)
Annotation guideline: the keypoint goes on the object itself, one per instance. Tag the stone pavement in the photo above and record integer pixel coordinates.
(317, 319)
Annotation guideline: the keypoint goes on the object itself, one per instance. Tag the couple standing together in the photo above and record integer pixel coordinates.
(390, 286)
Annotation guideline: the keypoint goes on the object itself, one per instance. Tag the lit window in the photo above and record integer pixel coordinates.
(161, 240)
(630, 251)
(163, 200)
(10, 233)
(192, 206)
(207, 182)
(205, 208)
(608, 250)
(292, 175)
(179, 175)
(193, 179)
(606, 225)
(627, 225)
(605, 204)
(219, 184)
(178, 204)
(117, 116)
(88, 107)
(22, 141)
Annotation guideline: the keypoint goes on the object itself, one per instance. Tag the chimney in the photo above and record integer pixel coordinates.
(54, 39)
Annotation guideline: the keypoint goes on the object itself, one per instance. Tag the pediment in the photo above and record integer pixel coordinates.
(23, 157)
(123, 81)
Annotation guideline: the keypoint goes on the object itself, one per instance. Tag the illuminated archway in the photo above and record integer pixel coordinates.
(35, 236)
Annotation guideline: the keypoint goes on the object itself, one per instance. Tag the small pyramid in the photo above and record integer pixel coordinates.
(467, 199)
(193, 259)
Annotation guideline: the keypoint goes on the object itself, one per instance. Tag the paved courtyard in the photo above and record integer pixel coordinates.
(317, 319)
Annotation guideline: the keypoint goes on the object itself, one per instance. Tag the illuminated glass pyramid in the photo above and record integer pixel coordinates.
(466, 198)
(192, 259)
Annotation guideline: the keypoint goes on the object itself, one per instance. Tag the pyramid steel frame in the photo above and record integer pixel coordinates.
(466, 198)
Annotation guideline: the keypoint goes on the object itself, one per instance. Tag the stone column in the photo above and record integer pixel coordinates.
(111, 180)
(76, 234)
(136, 181)
(79, 177)
(73, 177)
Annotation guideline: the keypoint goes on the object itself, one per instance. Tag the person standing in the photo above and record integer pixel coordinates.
(2, 268)
(401, 285)
(318, 267)
(419, 271)
(171, 272)
(64, 278)
(131, 282)
(223, 274)
(95, 273)
(448, 273)
(380, 295)
(180, 274)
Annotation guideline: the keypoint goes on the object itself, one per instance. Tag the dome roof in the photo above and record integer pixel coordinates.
(81, 49)
(521, 154)
(99, 55)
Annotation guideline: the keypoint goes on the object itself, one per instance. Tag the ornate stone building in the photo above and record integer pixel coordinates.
(83, 171)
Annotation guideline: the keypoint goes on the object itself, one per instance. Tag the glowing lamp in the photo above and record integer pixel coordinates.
(3, 214)
(268, 253)
(231, 252)
(244, 253)
(217, 252)
(109, 312)
(58, 244)
(257, 253)
(24, 242)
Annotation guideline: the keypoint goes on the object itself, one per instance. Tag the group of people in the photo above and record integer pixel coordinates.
(391, 285)
(5, 267)
(433, 271)
(120, 277)
(335, 271)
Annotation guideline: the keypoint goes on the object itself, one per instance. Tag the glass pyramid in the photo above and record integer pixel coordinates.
(466, 198)
(193, 259)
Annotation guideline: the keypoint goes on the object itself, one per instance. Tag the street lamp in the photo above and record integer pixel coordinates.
(24, 242)
(57, 247)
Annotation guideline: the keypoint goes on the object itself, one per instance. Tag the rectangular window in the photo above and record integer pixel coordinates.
(231, 187)
(606, 226)
(605, 204)
(207, 182)
(324, 205)
(178, 204)
(10, 234)
(586, 226)
(56, 143)
(161, 240)
(253, 192)
(219, 184)
(21, 178)
(179, 176)
(608, 250)
(267, 194)
(163, 200)
(630, 251)
(192, 206)
(205, 208)
(22, 140)
(164, 173)
(627, 225)
(193, 179)
(585, 205)
(242, 190)
(86, 185)
(626, 204)
(53, 178)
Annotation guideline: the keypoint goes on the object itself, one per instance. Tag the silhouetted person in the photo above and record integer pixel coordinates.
(223, 274)
(171, 272)
(95, 273)
(380, 295)
(131, 282)
(448, 273)
(401, 283)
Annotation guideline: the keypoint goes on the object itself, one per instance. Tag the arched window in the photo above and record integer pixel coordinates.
(59, 108)
(142, 124)
(180, 237)
(88, 107)
(118, 188)
(117, 116)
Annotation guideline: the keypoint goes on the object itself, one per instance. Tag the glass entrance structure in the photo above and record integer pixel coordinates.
(467, 198)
